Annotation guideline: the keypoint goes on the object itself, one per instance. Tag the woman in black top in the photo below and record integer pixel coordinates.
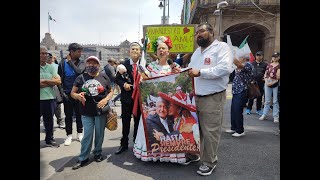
(93, 90)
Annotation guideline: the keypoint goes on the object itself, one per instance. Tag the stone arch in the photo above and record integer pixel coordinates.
(259, 35)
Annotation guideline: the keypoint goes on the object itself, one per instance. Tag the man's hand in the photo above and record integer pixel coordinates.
(194, 73)
(157, 134)
(127, 86)
(187, 128)
(68, 57)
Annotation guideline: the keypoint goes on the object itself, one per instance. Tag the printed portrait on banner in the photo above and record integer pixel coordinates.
(169, 114)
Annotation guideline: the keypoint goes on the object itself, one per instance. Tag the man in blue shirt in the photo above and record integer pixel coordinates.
(69, 68)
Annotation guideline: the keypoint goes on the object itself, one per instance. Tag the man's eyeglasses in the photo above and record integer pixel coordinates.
(258, 55)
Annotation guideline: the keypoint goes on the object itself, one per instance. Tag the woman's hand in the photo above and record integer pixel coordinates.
(103, 102)
(81, 98)
(176, 69)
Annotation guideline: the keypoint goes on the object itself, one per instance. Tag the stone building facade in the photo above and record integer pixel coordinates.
(239, 19)
(104, 52)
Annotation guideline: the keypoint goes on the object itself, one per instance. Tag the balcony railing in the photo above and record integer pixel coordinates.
(239, 2)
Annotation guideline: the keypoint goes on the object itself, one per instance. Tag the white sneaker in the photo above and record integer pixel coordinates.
(263, 117)
(230, 131)
(68, 140)
(80, 136)
(238, 135)
(276, 119)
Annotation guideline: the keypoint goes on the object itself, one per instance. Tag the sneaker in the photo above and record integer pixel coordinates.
(80, 136)
(263, 117)
(259, 112)
(80, 164)
(276, 119)
(189, 160)
(238, 135)
(61, 125)
(230, 131)
(205, 170)
(53, 144)
(68, 140)
(248, 111)
(98, 158)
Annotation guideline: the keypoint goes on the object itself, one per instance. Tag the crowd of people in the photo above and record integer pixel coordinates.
(86, 90)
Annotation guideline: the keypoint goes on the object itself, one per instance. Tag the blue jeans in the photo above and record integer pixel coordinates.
(91, 123)
(237, 105)
(269, 93)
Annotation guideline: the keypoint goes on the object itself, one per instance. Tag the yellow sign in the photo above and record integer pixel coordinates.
(182, 36)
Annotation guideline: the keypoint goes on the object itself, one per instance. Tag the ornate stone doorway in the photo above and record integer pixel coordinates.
(256, 39)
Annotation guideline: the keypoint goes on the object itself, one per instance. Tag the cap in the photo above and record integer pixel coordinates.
(49, 55)
(259, 53)
(178, 88)
(276, 54)
(93, 58)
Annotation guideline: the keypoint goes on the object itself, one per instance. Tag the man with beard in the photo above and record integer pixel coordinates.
(211, 66)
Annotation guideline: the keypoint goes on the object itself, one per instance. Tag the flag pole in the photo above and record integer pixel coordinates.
(49, 22)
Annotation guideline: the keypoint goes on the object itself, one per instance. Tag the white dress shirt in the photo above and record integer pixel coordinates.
(214, 63)
(165, 124)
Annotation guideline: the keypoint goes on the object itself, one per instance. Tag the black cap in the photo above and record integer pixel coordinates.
(276, 54)
(259, 53)
(49, 55)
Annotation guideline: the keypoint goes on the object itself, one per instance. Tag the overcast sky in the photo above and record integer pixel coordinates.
(102, 21)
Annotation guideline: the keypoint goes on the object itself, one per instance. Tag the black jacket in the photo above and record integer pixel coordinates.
(125, 95)
(259, 70)
(110, 71)
(153, 122)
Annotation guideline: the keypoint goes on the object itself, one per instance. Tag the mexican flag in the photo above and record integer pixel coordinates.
(244, 49)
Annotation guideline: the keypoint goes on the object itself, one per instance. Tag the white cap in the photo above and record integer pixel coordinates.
(93, 58)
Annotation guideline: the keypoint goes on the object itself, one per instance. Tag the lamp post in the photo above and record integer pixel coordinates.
(218, 11)
(165, 3)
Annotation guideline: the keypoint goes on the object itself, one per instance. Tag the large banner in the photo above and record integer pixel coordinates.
(169, 114)
(182, 36)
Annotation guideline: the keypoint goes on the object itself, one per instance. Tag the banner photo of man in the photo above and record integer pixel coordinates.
(169, 114)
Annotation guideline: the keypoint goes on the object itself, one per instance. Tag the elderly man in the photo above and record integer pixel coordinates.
(48, 79)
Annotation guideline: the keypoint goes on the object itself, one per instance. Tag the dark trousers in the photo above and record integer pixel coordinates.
(237, 105)
(58, 114)
(126, 119)
(47, 108)
(71, 105)
(259, 99)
